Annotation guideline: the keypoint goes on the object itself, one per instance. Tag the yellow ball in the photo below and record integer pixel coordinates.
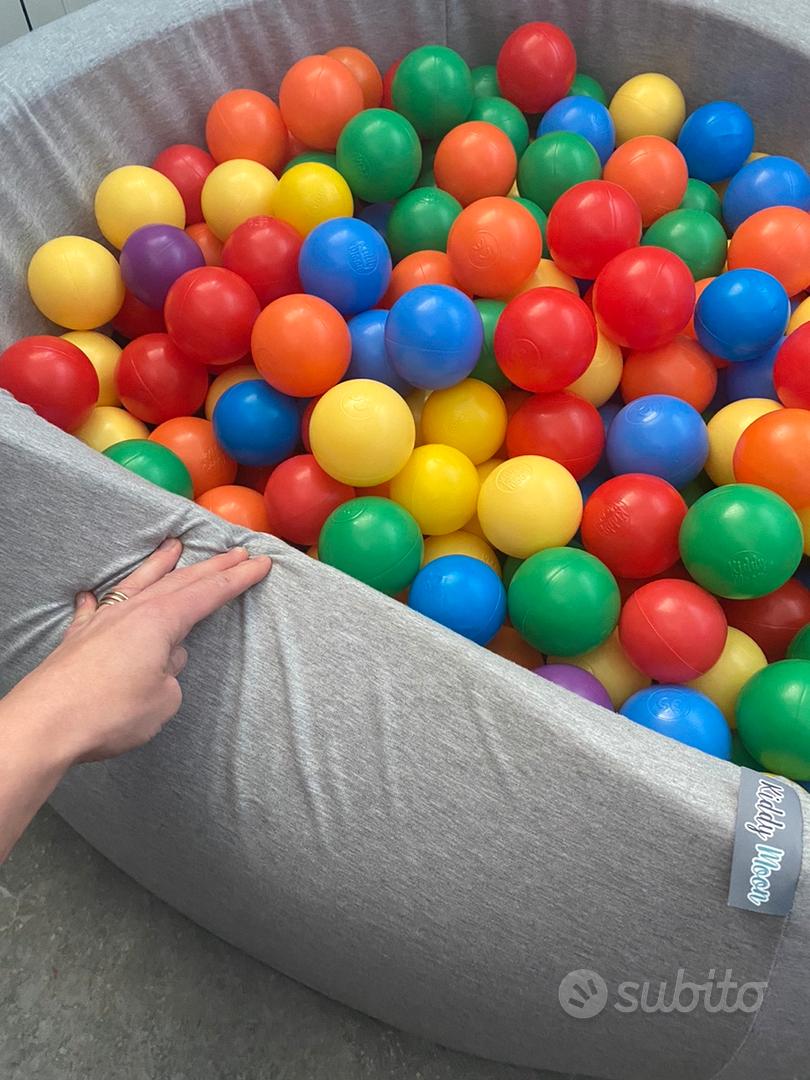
(225, 381)
(107, 425)
(133, 196)
(724, 430)
(609, 663)
(470, 416)
(439, 486)
(484, 469)
(529, 503)
(362, 432)
(649, 104)
(103, 353)
(600, 378)
(235, 191)
(800, 316)
(310, 193)
(739, 660)
(75, 282)
(461, 543)
(549, 274)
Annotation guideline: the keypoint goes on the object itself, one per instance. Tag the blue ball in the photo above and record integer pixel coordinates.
(377, 215)
(682, 714)
(461, 593)
(346, 262)
(255, 424)
(741, 314)
(369, 358)
(754, 378)
(660, 435)
(433, 336)
(716, 140)
(768, 181)
(586, 117)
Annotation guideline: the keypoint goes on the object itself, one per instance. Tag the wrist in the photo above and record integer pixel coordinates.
(33, 729)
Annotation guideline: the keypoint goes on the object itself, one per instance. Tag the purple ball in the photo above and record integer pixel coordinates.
(577, 681)
(154, 257)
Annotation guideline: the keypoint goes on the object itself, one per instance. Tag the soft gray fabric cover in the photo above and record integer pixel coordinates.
(372, 805)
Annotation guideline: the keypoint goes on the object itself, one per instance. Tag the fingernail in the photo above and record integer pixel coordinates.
(241, 550)
(169, 542)
(82, 598)
(262, 559)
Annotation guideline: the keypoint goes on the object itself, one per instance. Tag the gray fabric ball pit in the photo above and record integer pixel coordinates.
(362, 800)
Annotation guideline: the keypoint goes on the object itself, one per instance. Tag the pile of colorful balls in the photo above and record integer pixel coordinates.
(536, 364)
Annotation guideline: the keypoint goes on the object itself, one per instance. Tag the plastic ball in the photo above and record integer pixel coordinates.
(187, 167)
(379, 154)
(563, 601)
(585, 117)
(528, 504)
(672, 630)
(716, 140)
(540, 216)
(487, 369)
(791, 369)
(461, 542)
(235, 191)
(364, 70)
(609, 664)
(741, 314)
(241, 506)
(209, 315)
(773, 718)
(485, 82)
(536, 66)
(461, 593)
(469, 416)
(599, 380)
(631, 523)
(388, 82)
(740, 659)
(433, 336)
(475, 160)
(300, 496)
(724, 431)
(767, 181)
(421, 220)
(103, 354)
(753, 379)
(700, 196)
(132, 196)
(247, 124)
(800, 315)
(493, 245)
(799, 648)
(559, 426)
(107, 425)
(545, 339)
(373, 540)
(644, 298)
(152, 462)
(154, 257)
(53, 376)
(697, 237)
(439, 486)
(194, 442)
(311, 193)
(156, 381)
(653, 171)
(774, 619)
(317, 97)
(433, 89)
(660, 435)
(255, 424)
(683, 714)
(554, 163)
(264, 251)
(419, 268)
(776, 240)
(682, 368)
(648, 104)
(345, 262)
(546, 275)
(577, 681)
(228, 378)
(773, 452)
(504, 115)
(209, 245)
(369, 359)
(590, 224)
(586, 86)
(75, 282)
(135, 318)
(301, 345)
(362, 432)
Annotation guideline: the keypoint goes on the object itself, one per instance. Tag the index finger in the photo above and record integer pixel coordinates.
(187, 606)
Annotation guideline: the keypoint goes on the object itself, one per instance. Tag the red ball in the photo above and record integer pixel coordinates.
(53, 376)
(791, 372)
(631, 523)
(210, 314)
(536, 66)
(589, 225)
(187, 167)
(545, 339)
(672, 630)
(561, 426)
(264, 251)
(157, 382)
(388, 82)
(644, 297)
(772, 620)
(134, 318)
(299, 498)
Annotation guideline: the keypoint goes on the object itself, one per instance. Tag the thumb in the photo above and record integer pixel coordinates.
(83, 611)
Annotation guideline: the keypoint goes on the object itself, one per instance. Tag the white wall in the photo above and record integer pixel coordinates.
(13, 20)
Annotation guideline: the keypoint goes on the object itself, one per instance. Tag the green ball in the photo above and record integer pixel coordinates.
(487, 369)
(554, 163)
(701, 196)
(696, 236)
(485, 81)
(504, 115)
(320, 157)
(420, 221)
(773, 718)
(741, 541)
(740, 756)
(379, 154)
(587, 86)
(433, 88)
(563, 601)
(540, 216)
(799, 648)
(373, 540)
(153, 462)
(510, 566)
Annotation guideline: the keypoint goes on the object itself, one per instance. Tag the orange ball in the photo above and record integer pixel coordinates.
(193, 440)
(364, 70)
(475, 160)
(239, 505)
(210, 245)
(773, 452)
(318, 96)
(419, 268)
(493, 246)
(301, 345)
(682, 368)
(510, 645)
(247, 124)
(653, 170)
(776, 240)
